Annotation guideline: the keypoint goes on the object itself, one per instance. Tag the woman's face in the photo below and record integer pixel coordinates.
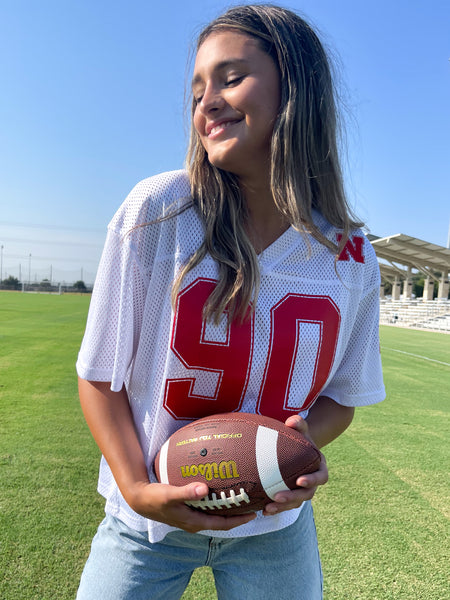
(236, 88)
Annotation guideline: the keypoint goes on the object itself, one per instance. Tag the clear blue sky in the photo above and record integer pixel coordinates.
(92, 96)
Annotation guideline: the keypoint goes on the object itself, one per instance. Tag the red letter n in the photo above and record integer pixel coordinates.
(352, 248)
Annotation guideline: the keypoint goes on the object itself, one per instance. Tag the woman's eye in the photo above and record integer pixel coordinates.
(234, 80)
(197, 98)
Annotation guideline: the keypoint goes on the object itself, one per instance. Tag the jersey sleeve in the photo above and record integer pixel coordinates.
(358, 380)
(118, 300)
(114, 315)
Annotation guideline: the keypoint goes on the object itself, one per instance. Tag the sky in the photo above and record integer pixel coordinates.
(92, 101)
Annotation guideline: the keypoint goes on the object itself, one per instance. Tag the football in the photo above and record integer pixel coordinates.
(245, 459)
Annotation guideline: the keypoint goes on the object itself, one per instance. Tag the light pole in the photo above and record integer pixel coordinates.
(1, 263)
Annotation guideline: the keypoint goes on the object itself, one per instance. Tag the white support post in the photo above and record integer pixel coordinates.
(443, 286)
(396, 289)
(428, 289)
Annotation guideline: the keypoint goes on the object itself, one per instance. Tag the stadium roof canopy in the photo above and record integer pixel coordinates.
(390, 272)
(401, 249)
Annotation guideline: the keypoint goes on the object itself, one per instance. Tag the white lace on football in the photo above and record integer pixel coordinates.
(222, 502)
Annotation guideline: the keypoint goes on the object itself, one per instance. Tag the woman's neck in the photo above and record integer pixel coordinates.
(265, 222)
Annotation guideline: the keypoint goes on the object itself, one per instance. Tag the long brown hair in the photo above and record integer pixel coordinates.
(305, 166)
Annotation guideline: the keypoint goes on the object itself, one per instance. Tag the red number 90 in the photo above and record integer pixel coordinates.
(228, 361)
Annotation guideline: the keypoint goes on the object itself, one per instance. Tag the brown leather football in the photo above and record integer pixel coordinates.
(245, 459)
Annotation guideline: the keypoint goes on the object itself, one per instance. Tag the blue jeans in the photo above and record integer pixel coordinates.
(124, 565)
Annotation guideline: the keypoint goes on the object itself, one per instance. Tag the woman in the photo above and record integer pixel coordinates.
(242, 284)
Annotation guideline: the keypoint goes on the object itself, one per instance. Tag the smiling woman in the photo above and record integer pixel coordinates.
(239, 285)
(237, 102)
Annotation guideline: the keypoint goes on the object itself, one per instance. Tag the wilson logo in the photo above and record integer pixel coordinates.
(224, 470)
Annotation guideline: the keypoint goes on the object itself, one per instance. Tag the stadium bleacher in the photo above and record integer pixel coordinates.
(401, 257)
(416, 314)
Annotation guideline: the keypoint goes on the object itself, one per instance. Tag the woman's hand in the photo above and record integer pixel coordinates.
(166, 504)
(308, 484)
(109, 418)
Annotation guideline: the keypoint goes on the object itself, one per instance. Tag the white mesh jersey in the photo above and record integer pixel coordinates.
(314, 330)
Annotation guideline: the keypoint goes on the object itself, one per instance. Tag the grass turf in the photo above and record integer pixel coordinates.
(48, 506)
(382, 520)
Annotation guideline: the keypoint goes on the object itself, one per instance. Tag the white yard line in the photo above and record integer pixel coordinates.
(416, 355)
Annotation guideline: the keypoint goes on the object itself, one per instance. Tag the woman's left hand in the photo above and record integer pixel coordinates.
(308, 484)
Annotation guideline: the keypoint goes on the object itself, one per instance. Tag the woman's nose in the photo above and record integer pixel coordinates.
(212, 98)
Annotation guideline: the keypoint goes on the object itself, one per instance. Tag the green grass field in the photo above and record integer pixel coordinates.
(383, 519)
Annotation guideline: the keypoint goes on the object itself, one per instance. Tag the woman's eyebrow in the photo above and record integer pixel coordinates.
(223, 64)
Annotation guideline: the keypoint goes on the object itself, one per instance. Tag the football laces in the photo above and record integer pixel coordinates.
(223, 502)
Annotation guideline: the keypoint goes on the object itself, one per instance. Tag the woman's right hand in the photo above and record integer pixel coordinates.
(109, 418)
(166, 504)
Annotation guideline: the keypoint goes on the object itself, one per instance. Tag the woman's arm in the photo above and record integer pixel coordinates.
(325, 422)
(109, 418)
